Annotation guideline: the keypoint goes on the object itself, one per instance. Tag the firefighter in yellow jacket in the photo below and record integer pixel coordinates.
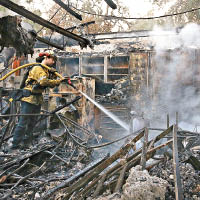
(38, 79)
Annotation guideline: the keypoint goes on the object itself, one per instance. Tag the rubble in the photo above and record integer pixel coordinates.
(119, 94)
(63, 164)
(189, 177)
(68, 167)
(139, 185)
(66, 162)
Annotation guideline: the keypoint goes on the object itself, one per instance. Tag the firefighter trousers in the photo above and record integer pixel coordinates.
(24, 128)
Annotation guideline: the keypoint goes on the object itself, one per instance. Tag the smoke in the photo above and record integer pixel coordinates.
(176, 76)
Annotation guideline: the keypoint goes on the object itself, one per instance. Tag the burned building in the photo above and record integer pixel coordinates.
(112, 85)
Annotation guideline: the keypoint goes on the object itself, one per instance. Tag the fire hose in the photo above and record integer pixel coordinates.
(30, 64)
(27, 65)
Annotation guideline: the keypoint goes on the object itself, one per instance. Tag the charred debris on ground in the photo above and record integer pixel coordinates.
(66, 165)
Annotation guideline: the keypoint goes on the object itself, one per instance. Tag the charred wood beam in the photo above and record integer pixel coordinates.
(91, 185)
(19, 159)
(99, 186)
(85, 180)
(108, 174)
(68, 9)
(167, 120)
(53, 154)
(111, 4)
(84, 24)
(177, 177)
(149, 153)
(118, 167)
(22, 11)
(49, 43)
(131, 34)
(120, 180)
(16, 115)
(27, 176)
(156, 139)
(136, 153)
(178, 131)
(144, 149)
(5, 177)
(132, 160)
(73, 178)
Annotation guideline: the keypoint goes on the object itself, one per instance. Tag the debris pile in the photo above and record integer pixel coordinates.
(28, 174)
(189, 176)
(119, 93)
(67, 169)
(139, 185)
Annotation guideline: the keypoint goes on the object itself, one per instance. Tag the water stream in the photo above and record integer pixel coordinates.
(108, 113)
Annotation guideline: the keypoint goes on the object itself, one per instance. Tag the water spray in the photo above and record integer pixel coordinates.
(108, 113)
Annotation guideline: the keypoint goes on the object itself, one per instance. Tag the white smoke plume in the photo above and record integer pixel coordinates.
(176, 76)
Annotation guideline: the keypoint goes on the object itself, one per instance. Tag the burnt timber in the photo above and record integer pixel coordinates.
(68, 9)
(49, 43)
(177, 177)
(22, 11)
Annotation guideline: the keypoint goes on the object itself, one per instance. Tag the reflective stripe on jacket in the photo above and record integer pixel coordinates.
(38, 76)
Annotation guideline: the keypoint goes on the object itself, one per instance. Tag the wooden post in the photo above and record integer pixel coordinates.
(177, 119)
(177, 177)
(167, 120)
(144, 149)
(80, 64)
(105, 69)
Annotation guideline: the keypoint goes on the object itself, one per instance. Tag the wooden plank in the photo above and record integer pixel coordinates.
(177, 177)
(105, 69)
(144, 149)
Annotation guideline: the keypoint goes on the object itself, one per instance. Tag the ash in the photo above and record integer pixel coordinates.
(189, 177)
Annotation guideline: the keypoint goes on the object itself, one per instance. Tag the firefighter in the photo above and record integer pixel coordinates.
(38, 80)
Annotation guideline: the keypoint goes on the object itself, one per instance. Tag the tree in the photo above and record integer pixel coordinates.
(84, 7)
(181, 6)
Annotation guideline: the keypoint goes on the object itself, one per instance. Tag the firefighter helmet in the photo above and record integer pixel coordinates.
(48, 54)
